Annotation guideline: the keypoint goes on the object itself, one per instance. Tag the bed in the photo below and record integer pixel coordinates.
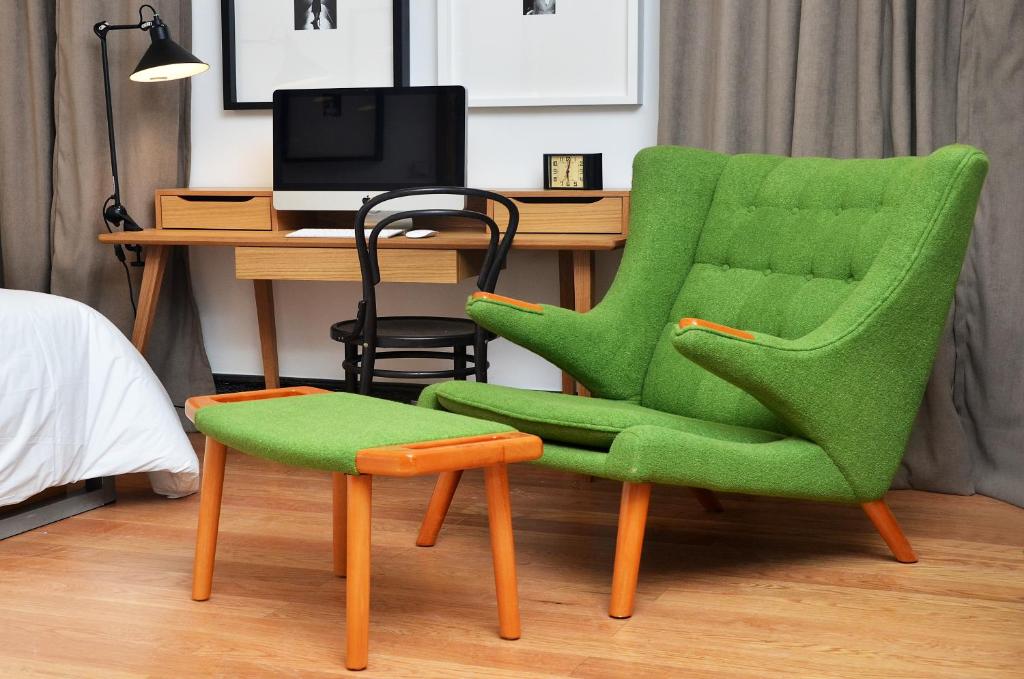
(78, 402)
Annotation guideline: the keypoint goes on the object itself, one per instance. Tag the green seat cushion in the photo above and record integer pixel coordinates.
(789, 467)
(587, 422)
(729, 459)
(325, 431)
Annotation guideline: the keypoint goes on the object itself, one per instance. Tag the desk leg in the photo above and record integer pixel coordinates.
(566, 300)
(583, 290)
(149, 293)
(582, 281)
(268, 331)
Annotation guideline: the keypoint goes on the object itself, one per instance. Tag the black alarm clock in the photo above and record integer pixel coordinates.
(573, 171)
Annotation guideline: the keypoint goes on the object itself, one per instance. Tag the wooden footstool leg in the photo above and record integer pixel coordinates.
(440, 501)
(357, 588)
(209, 519)
(339, 502)
(499, 515)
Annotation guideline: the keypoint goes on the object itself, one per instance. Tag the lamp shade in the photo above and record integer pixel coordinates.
(166, 59)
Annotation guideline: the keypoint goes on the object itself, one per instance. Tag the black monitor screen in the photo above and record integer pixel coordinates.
(358, 139)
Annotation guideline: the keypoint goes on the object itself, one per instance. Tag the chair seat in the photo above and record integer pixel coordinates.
(325, 431)
(412, 331)
(654, 447)
(588, 422)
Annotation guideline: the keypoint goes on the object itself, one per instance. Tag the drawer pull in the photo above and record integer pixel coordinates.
(216, 199)
(552, 200)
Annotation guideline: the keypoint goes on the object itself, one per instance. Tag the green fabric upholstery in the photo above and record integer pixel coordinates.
(842, 269)
(588, 422)
(325, 431)
(627, 442)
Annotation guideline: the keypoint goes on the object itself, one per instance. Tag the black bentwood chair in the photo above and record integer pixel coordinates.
(418, 337)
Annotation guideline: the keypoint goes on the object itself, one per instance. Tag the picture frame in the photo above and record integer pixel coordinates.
(272, 44)
(543, 53)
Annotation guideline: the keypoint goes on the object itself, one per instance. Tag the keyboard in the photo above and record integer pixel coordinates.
(340, 233)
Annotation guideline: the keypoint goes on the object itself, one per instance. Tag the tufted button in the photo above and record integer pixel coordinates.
(725, 267)
(809, 277)
(751, 208)
(767, 272)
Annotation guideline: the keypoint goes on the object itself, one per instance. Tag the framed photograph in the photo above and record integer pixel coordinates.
(288, 44)
(541, 52)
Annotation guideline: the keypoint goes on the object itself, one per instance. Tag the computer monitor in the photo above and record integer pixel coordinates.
(333, 148)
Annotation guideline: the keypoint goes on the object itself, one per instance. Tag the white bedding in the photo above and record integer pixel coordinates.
(77, 401)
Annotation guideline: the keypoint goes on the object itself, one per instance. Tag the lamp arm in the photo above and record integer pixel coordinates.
(116, 213)
(111, 143)
(102, 28)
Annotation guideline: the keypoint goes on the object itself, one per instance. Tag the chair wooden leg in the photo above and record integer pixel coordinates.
(480, 357)
(366, 363)
(440, 501)
(499, 516)
(890, 530)
(339, 502)
(708, 500)
(209, 519)
(636, 498)
(460, 362)
(357, 586)
(352, 371)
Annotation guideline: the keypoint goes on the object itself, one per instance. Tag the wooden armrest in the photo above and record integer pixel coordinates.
(432, 457)
(724, 329)
(198, 402)
(511, 301)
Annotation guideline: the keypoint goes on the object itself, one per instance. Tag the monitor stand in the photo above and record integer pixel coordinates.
(375, 217)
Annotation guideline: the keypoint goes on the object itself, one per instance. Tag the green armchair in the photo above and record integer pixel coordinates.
(812, 293)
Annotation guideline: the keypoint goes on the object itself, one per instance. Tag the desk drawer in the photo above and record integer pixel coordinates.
(243, 213)
(562, 213)
(342, 264)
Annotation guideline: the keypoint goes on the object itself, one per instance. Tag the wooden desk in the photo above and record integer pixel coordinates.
(265, 256)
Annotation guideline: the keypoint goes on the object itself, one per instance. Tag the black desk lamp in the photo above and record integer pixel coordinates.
(164, 60)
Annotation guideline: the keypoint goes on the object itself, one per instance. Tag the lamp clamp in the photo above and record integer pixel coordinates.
(117, 215)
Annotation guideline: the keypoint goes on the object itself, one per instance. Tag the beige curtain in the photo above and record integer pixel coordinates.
(26, 133)
(56, 171)
(871, 78)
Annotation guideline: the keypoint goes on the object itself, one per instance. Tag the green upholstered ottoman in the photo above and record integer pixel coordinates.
(357, 437)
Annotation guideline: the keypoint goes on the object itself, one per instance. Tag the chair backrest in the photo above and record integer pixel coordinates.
(778, 245)
(366, 244)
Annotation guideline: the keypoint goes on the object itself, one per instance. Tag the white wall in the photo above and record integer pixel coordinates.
(233, 149)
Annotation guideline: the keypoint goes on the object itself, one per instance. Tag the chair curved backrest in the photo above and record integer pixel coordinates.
(497, 249)
(778, 245)
(366, 246)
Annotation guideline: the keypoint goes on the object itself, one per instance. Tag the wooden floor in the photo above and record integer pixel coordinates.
(767, 589)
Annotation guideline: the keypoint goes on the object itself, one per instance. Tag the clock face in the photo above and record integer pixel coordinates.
(565, 172)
